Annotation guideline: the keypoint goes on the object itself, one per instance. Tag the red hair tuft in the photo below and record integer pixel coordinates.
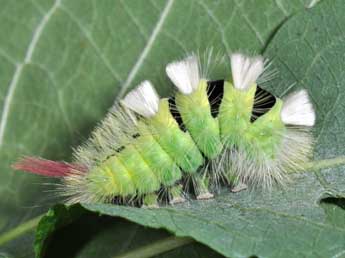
(46, 167)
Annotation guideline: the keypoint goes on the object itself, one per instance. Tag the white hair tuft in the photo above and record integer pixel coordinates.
(143, 100)
(298, 109)
(245, 70)
(185, 74)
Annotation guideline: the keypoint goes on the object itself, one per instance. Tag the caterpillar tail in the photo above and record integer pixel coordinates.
(47, 168)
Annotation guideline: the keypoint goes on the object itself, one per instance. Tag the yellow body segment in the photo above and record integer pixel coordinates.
(111, 179)
(163, 166)
(143, 177)
(152, 160)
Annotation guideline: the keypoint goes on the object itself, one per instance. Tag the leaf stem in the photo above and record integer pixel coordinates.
(19, 230)
(157, 247)
(324, 163)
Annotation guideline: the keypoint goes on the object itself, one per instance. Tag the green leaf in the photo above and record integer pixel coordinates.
(55, 219)
(91, 235)
(288, 223)
(334, 209)
(64, 62)
(308, 51)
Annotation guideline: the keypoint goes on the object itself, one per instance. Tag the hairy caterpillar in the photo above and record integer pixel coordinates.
(210, 130)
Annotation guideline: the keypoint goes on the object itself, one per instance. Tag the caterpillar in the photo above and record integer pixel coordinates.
(209, 131)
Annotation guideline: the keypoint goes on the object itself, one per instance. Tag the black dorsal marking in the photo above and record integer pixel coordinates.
(176, 114)
(215, 92)
(263, 102)
(136, 135)
(120, 149)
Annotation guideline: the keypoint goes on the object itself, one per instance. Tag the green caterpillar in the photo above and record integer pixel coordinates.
(146, 144)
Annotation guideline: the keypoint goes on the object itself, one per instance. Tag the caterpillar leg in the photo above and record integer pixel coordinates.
(150, 201)
(239, 187)
(176, 193)
(201, 188)
(235, 184)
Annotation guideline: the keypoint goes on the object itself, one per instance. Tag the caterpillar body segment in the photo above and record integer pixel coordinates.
(195, 111)
(178, 144)
(166, 169)
(266, 133)
(258, 148)
(193, 104)
(262, 150)
(149, 161)
(147, 145)
(235, 113)
(259, 137)
(144, 177)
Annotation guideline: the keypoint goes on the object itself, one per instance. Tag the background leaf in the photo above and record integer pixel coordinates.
(92, 235)
(63, 62)
(308, 51)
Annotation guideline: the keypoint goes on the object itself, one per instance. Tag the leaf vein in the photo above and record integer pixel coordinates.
(133, 72)
(250, 25)
(93, 44)
(19, 67)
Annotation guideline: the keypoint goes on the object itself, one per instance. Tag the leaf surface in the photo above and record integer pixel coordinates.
(64, 62)
(308, 51)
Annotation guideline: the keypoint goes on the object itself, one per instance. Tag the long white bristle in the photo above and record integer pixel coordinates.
(298, 109)
(185, 74)
(143, 100)
(245, 70)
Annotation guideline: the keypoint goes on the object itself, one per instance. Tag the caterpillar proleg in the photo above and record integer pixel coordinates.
(210, 130)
